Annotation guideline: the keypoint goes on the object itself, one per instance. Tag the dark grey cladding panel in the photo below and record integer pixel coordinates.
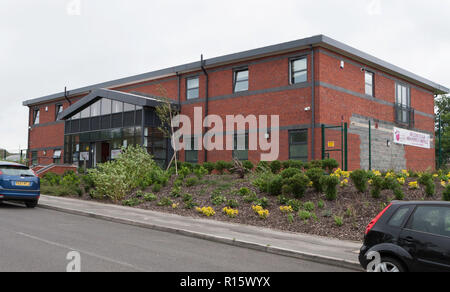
(144, 101)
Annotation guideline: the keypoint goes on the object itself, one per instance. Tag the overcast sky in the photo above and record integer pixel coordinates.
(48, 44)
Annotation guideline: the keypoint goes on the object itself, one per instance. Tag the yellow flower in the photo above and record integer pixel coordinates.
(401, 180)
(230, 212)
(370, 181)
(377, 173)
(413, 185)
(286, 209)
(207, 211)
(344, 183)
(310, 184)
(261, 212)
(174, 206)
(405, 172)
(443, 183)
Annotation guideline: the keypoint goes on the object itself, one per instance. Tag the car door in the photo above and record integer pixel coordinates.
(426, 237)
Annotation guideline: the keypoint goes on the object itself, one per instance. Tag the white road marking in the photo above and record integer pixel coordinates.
(81, 251)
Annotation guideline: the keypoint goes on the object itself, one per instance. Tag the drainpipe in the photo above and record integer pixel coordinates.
(313, 105)
(179, 90)
(206, 99)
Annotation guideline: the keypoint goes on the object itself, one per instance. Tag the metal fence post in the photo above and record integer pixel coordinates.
(346, 146)
(323, 142)
(370, 145)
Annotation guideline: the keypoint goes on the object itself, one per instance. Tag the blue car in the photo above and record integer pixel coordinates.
(19, 183)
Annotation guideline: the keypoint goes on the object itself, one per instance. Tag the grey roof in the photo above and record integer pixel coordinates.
(150, 101)
(319, 40)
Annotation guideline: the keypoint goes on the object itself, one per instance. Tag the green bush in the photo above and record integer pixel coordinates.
(176, 191)
(339, 221)
(275, 185)
(360, 179)
(286, 164)
(70, 178)
(286, 190)
(209, 166)
(51, 179)
(282, 199)
(262, 181)
(430, 189)
(446, 193)
(232, 203)
(377, 186)
(290, 172)
(262, 166)
(116, 179)
(192, 181)
(248, 165)
(298, 184)
(295, 204)
(329, 185)
(132, 202)
(250, 198)
(221, 166)
(218, 200)
(296, 164)
(304, 215)
(425, 178)
(330, 164)
(315, 174)
(150, 197)
(156, 188)
(263, 202)
(309, 206)
(243, 191)
(275, 166)
(165, 201)
(398, 193)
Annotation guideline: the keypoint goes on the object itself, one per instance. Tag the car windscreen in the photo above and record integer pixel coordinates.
(16, 170)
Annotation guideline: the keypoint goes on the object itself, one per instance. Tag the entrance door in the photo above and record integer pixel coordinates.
(106, 152)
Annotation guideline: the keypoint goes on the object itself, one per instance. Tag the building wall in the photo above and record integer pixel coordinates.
(339, 97)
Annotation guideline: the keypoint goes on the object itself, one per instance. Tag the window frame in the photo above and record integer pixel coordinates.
(235, 145)
(193, 88)
(192, 140)
(236, 71)
(36, 115)
(291, 69)
(57, 106)
(303, 158)
(405, 109)
(372, 94)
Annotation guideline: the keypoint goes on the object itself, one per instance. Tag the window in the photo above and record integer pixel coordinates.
(58, 110)
(298, 145)
(192, 88)
(431, 219)
(369, 76)
(86, 112)
(240, 146)
(34, 158)
(241, 80)
(106, 106)
(95, 108)
(399, 216)
(57, 156)
(299, 70)
(191, 151)
(36, 116)
(117, 106)
(403, 111)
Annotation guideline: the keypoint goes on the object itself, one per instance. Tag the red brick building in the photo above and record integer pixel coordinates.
(309, 83)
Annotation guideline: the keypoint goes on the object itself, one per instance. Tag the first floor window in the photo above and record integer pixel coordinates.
(369, 80)
(403, 104)
(240, 146)
(36, 117)
(298, 145)
(191, 151)
(299, 70)
(241, 80)
(192, 88)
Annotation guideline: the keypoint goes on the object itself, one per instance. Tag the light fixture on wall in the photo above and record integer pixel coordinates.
(307, 109)
(388, 143)
(342, 64)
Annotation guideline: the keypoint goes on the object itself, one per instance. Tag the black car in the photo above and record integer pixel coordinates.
(408, 237)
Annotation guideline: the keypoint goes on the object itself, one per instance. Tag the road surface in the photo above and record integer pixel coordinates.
(40, 240)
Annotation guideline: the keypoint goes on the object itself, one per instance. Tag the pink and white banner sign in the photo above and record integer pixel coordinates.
(405, 137)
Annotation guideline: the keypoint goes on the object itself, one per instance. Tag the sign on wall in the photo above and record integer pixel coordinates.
(410, 138)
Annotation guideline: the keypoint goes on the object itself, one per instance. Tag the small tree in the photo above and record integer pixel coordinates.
(165, 114)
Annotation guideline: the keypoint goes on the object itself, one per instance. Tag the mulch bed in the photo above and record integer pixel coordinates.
(356, 209)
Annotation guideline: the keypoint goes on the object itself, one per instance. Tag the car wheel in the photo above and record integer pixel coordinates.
(390, 265)
(31, 204)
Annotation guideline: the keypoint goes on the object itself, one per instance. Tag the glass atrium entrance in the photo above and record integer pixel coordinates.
(96, 128)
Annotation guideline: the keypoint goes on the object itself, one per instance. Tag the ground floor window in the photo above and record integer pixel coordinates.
(191, 154)
(34, 158)
(240, 146)
(57, 156)
(298, 145)
(157, 145)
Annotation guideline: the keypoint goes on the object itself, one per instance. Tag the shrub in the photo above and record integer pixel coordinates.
(298, 184)
(262, 166)
(51, 179)
(187, 197)
(115, 179)
(250, 198)
(262, 181)
(329, 185)
(165, 201)
(321, 204)
(425, 178)
(286, 190)
(192, 181)
(339, 221)
(209, 166)
(150, 197)
(232, 203)
(296, 164)
(360, 180)
(315, 174)
(304, 215)
(263, 202)
(132, 202)
(309, 206)
(430, 189)
(200, 172)
(275, 185)
(220, 166)
(329, 164)
(282, 200)
(243, 191)
(275, 166)
(248, 165)
(218, 200)
(286, 164)
(446, 194)
(398, 193)
(290, 172)
(156, 188)
(377, 186)
(295, 204)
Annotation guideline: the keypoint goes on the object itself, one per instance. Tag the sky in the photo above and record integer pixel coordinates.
(46, 45)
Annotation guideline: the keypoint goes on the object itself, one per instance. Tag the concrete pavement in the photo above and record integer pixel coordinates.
(306, 247)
